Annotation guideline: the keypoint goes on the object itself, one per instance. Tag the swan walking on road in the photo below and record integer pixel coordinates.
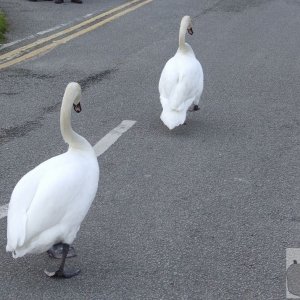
(49, 203)
(181, 81)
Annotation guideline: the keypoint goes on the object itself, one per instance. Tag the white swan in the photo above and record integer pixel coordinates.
(49, 203)
(181, 81)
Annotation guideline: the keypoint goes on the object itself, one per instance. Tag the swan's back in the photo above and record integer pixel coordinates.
(180, 84)
(64, 192)
(61, 190)
(182, 77)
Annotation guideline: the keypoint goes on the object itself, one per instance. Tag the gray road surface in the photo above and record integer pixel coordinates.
(205, 211)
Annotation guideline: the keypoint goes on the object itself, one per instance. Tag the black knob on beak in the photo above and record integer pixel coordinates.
(77, 107)
(190, 31)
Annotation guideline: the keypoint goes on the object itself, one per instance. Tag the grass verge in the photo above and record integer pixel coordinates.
(3, 26)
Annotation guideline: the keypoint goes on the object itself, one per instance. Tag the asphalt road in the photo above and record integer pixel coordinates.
(205, 211)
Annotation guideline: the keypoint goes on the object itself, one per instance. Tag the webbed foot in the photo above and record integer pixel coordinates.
(62, 273)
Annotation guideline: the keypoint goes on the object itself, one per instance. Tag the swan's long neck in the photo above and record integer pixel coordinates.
(68, 134)
(182, 32)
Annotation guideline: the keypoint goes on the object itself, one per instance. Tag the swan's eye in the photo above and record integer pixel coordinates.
(77, 107)
(190, 31)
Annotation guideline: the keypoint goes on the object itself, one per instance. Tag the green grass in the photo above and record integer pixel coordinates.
(3, 26)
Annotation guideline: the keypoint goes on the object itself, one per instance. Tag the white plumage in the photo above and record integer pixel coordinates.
(49, 203)
(181, 81)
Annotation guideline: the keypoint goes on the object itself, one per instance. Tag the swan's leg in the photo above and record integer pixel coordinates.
(61, 272)
(196, 103)
(56, 251)
(194, 107)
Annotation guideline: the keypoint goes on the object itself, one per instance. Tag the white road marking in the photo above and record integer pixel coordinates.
(241, 180)
(112, 136)
(106, 142)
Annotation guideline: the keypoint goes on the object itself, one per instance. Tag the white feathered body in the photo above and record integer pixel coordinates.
(49, 203)
(180, 86)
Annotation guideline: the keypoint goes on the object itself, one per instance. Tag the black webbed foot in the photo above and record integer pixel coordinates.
(56, 251)
(62, 273)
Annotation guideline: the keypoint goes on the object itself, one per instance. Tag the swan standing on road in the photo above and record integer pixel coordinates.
(49, 203)
(181, 81)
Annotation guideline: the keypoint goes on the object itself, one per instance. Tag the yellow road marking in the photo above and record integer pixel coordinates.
(12, 54)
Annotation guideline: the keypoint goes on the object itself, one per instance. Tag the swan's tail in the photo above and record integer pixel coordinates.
(15, 253)
(172, 118)
(173, 114)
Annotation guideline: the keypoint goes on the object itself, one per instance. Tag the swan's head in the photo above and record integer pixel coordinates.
(77, 107)
(74, 89)
(76, 104)
(187, 23)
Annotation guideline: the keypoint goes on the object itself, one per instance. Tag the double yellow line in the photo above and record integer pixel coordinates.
(48, 43)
